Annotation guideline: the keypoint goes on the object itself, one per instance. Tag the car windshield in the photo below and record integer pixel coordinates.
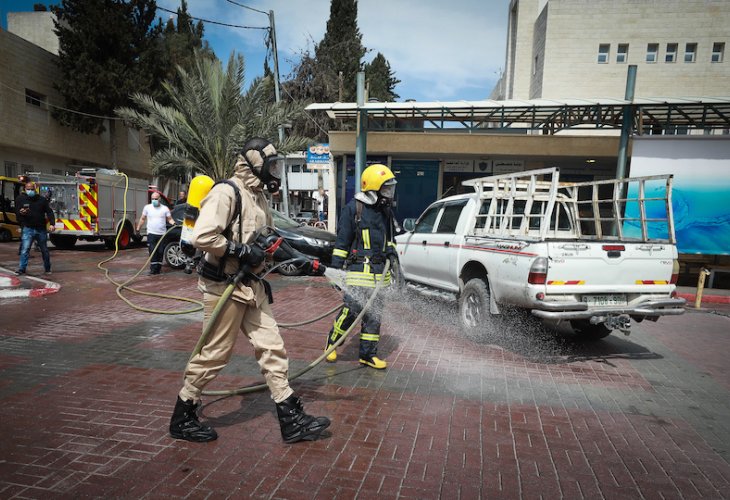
(282, 221)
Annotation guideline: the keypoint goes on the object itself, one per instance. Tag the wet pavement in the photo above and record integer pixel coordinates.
(87, 385)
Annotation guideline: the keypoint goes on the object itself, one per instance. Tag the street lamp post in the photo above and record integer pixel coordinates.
(277, 94)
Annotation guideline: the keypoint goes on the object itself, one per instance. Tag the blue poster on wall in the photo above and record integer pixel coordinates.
(701, 192)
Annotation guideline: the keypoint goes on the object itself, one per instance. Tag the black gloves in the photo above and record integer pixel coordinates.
(310, 267)
(252, 255)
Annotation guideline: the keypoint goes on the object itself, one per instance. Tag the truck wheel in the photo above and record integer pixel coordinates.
(125, 237)
(64, 242)
(588, 331)
(5, 235)
(474, 304)
(174, 255)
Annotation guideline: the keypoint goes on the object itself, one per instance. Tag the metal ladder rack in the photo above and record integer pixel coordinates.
(504, 217)
(603, 217)
(529, 204)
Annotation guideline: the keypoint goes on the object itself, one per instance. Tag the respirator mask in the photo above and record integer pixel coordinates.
(264, 162)
(271, 172)
(387, 193)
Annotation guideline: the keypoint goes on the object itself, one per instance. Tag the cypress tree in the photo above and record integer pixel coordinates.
(381, 78)
(105, 55)
(341, 49)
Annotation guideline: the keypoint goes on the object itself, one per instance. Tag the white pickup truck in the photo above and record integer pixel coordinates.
(596, 254)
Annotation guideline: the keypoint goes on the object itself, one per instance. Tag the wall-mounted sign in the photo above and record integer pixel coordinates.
(483, 167)
(459, 166)
(318, 156)
(507, 166)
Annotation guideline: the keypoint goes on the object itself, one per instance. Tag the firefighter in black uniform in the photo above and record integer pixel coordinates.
(364, 242)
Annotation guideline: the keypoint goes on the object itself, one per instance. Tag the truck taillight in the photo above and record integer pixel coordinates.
(614, 248)
(675, 272)
(538, 272)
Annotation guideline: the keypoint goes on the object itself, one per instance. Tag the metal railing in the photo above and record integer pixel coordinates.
(536, 205)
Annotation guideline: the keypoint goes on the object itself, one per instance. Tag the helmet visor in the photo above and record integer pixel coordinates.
(388, 191)
(275, 166)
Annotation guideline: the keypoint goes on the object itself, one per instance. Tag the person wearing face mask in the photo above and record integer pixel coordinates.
(230, 216)
(156, 214)
(34, 214)
(365, 240)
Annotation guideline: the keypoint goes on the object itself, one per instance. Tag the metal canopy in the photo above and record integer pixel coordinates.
(544, 114)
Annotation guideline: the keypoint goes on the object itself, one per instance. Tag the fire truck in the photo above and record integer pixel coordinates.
(89, 205)
(10, 188)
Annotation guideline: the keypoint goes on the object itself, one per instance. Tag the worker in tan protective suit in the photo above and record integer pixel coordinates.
(225, 230)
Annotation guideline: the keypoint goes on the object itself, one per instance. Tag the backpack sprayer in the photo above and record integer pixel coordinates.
(266, 238)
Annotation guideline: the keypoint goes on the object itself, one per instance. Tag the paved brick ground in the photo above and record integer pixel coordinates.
(87, 385)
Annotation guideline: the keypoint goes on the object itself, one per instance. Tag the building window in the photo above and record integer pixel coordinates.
(651, 52)
(622, 54)
(11, 169)
(603, 50)
(534, 66)
(671, 53)
(690, 52)
(35, 98)
(718, 52)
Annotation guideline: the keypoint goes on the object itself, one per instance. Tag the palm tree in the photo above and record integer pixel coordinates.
(210, 117)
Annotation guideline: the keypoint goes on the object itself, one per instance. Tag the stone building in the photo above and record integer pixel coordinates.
(31, 140)
(581, 48)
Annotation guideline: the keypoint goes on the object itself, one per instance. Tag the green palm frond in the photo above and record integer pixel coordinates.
(210, 117)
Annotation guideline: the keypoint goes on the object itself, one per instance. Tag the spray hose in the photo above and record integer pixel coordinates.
(260, 387)
(123, 286)
(221, 302)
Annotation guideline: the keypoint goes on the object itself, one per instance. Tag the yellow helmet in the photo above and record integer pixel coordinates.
(375, 176)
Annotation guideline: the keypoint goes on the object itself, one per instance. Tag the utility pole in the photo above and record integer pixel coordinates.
(277, 93)
(361, 141)
(627, 123)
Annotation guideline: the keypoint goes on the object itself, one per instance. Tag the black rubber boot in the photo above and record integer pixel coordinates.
(184, 423)
(297, 425)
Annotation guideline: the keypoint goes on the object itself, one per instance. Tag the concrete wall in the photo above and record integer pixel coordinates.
(519, 42)
(575, 28)
(448, 145)
(35, 27)
(31, 139)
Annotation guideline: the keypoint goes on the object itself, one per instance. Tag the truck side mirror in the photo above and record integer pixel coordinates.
(409, 225)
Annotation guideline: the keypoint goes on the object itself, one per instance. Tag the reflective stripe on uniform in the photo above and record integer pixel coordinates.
(339, 253)
(372, 337)
(337, 328)
(368, 280)
(390, 244)
(366, 239)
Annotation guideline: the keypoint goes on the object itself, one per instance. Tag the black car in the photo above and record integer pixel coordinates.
(307, 239)
(172, 254)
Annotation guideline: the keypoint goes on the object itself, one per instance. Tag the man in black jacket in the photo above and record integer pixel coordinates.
(34, 212)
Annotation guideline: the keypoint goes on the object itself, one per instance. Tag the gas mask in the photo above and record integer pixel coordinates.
(271, 173)
(261, 157)
(387, 193)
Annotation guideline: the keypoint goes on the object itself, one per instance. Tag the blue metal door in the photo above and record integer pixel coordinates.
(417, 186)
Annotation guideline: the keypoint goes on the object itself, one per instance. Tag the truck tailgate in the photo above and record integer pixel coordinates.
(595, 267)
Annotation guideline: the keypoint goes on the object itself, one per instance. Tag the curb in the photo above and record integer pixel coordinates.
(11, 280)
(710, 299)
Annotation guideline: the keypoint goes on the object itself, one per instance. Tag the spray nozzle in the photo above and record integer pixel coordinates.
(275, 245)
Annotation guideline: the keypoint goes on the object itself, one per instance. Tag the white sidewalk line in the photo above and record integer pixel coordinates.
(48, 288)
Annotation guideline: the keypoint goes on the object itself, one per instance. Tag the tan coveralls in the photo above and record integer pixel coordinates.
(248, 309)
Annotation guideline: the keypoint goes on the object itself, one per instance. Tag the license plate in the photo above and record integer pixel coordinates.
(605, 300)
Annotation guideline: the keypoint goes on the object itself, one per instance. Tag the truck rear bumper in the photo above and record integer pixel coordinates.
(580, 310)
